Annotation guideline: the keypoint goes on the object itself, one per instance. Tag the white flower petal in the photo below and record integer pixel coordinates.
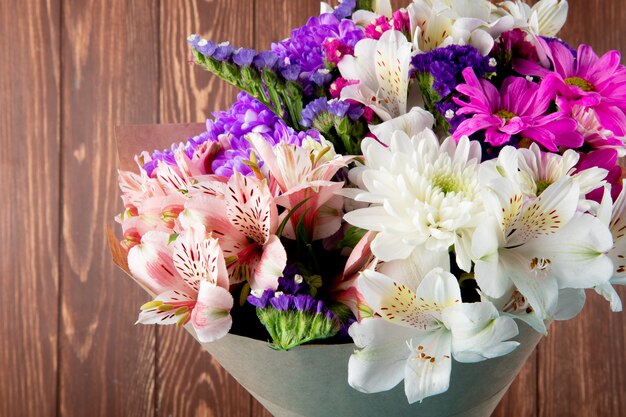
(379, 366)
(412, 270)
(428, 369)
(478, 332)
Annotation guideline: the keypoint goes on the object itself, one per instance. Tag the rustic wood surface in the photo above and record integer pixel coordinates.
(73, 70)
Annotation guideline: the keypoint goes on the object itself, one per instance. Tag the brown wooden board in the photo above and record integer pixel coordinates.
(109, 78)
(189, 382)
(582, 364)
(29, 211)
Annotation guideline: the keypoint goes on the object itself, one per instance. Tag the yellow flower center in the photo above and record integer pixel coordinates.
(542, 185)
(447, 183)
(580, 83)
(505, 115)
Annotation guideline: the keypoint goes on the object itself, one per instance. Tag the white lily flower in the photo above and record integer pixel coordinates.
(545, 18)
(614, 216)
(422, 194)
(418, 333)
(439, 23)
(539, 245)
(382, 69)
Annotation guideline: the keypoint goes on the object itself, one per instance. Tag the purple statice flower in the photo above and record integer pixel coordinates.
(344, 9)
(585, 80)
(305, 47)
(292, 282)
(519, 108)
(321, 107)
(247, 115)
(447, 64)
(265, 59)
(448, 110)
(244, 57)
(167, 156)
(263, 300)
(223, 52)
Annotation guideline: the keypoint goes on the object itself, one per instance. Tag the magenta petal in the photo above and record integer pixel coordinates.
(525, 67)
(514, 126)
(586, 60)
(542, 136)
(565, 133)
(562, 59)
(496, 138)
(611, 118)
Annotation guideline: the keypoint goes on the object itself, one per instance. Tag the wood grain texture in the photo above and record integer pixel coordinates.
(189, 381)
(29, 232)
(72, 71)
(110, 77)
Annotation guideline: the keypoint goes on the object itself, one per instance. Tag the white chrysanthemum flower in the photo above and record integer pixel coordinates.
(423, 194)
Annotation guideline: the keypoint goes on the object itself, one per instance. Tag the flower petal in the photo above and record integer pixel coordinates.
(428, 369)
(210, 317)
(379, 366)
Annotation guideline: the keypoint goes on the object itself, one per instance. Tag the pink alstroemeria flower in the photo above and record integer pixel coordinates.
(519, 108)
(588, 81)
(243, 214)
(189, 279)
(297, 175)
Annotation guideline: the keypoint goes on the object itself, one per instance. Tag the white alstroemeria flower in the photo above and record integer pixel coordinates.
(382, 69)
(439, 23)
(513, 304)
(539, 245)
(422, 194)
(534, 171)
(418, 333)
(545, 18)
(614, 216)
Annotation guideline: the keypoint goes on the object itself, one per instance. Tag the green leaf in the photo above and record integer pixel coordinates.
(295, 208)
(172, 238)
(314, 282)
(351, 238)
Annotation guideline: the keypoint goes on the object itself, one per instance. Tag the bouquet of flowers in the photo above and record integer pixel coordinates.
(415, 182)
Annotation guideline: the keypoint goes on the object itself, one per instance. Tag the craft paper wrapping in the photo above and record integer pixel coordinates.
(312, 380)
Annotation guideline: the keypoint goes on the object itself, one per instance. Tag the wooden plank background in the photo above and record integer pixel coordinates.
(71, 71)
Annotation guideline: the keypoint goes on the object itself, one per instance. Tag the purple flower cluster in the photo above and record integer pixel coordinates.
(229, 128)
(167, 155)
(446, 66)
(305, 49)
(289, 302)
(225, 52)
(321, 106)
(344, 9)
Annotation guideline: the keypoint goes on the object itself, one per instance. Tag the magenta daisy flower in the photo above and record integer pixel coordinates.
(519, 109)
(588, 81)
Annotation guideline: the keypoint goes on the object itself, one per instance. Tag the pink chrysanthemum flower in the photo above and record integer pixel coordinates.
(519, 108)
(588, 81)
